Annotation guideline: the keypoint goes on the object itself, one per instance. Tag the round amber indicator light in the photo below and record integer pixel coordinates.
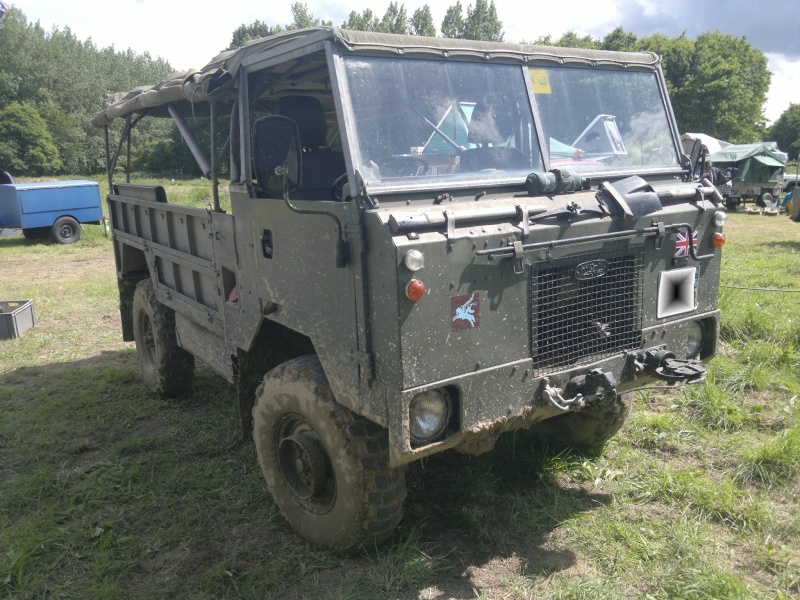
(718, 240)
(415, 289)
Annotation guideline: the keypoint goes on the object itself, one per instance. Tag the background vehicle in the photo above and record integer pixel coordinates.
(757, 174)
(52, 208)
(405, 268)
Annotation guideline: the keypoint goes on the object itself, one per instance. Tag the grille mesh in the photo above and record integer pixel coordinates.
(574, 320)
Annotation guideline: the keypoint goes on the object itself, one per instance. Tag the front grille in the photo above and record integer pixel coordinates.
(584, 307)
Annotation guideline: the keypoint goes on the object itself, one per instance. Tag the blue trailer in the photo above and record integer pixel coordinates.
(54, 208)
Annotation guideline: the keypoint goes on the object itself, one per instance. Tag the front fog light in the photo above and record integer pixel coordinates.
(694, 339)
(428, 415)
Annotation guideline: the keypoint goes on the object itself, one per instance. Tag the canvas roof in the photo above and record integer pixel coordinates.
(189, 90)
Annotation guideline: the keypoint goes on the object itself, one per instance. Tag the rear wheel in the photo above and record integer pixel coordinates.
(326, 467)
(167, 369)
(589, 428)
(66, 230)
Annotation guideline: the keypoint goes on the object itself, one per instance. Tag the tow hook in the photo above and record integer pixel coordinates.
(663, 364)
(596, 387)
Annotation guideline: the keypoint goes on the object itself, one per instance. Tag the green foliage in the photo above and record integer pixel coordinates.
(723, 93)
(65, 80)
(785, 131)
(394, 20)
(301, 19)
(453, 22)
(481, 22)
(255, 30)
(421, 22)
(26, 145)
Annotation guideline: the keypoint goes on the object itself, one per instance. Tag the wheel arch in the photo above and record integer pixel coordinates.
(272, 345)
(131, 269)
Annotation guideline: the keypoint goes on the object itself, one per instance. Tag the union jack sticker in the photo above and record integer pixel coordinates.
(682, 243)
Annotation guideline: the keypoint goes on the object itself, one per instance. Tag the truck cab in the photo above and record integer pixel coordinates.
(431, 242)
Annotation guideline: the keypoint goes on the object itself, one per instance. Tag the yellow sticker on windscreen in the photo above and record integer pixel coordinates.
(540, 80)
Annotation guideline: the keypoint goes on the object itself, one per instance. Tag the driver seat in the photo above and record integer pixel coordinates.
(492, 124)
(321, 165)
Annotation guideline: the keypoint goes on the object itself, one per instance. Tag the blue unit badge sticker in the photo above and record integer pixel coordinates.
(466, 311)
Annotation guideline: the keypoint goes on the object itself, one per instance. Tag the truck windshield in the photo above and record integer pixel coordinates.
(603, 119)
(419, 122)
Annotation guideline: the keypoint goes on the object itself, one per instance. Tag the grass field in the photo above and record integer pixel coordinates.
(109, 492)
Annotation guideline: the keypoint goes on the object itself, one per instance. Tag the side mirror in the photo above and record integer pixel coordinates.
(697, 157)
(276, 144)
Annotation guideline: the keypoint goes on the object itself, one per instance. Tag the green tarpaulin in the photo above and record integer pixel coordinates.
(755, 162)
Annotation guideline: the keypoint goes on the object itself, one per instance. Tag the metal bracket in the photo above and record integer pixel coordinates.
(525, 216)
(661, 233)
(450, 220)
(519, 254)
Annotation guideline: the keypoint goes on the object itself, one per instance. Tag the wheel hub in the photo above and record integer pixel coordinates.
(302, 462)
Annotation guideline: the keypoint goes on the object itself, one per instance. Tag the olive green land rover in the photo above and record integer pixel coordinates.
(430, 242)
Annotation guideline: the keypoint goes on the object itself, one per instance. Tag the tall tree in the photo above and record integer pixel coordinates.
(786, 131)
(724, 92)
(453, 22)
(421, 22)
(482, 22)
(26, 145)
(394, 20)
(65, 79)
(365, 21)
(302, 18)
(255, 30)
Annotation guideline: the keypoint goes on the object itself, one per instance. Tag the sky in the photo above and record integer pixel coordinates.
(188, 33)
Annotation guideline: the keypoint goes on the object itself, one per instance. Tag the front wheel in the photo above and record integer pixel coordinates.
(167, 369)
(326, 467)
(589, 428)
(66, 230)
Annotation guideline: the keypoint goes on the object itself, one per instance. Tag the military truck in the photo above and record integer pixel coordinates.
(430, 243)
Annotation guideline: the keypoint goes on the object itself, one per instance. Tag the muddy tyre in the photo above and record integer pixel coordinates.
(587, 429)
(326, 467)
(167, 369)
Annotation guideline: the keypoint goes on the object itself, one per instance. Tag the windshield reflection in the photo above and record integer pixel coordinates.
(417, 122)
(427, 120)
(601, 120)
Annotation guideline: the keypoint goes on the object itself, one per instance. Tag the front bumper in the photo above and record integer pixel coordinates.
(515, 395)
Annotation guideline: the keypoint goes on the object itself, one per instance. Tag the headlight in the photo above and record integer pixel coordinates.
(720, 218)
(414, 260)
(428, 415)
(694, 339)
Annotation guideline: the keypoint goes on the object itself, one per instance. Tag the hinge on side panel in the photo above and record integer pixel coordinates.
(661, 233)
(450, 219)
(525, 216)
(519, 254)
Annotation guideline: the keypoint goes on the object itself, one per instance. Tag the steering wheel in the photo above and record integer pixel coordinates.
(666, 154)
(403, 165)
(337, 189)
